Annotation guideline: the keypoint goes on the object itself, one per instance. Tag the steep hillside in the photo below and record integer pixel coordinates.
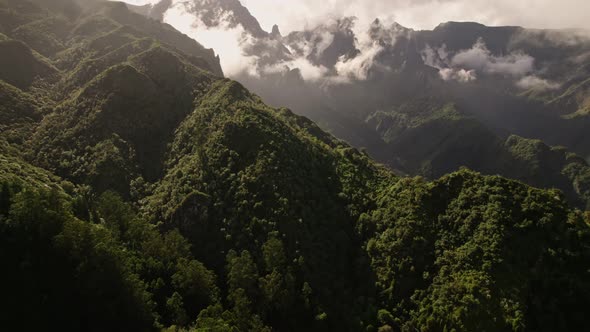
(20, 66)
(432, 139)
(140, 190)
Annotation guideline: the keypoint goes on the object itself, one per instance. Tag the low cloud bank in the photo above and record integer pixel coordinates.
(480, 59)
(537, 83)
(465, 65)
(242, 54)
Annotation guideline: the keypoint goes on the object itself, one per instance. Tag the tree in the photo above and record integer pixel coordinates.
(82, 204)
(215, 319)
(5, 197)
(273, 253)
(58, 266)
(176, 310)
(242, 273)
(117, 214)
(196, 283)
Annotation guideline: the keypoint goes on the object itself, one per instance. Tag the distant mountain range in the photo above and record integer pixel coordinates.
(428, 102)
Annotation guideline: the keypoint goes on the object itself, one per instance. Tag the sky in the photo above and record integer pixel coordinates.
(295, 15)
(292, 15)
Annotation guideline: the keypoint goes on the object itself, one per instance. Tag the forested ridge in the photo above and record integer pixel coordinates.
(142, 191)
(501, 100)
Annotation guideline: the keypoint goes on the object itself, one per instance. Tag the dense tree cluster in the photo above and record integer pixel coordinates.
(445, 138)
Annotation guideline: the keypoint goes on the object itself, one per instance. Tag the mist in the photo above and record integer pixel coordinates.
(424, 14)
(232, 42)
(292, 15)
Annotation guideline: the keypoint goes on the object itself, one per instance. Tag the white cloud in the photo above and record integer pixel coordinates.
(324, 42)
(235, 46)
(466, 64)
(141, 2)
(439, 58)
(537, 83)
(371, 40)
(227, 41)
(358, 67)
(292, 15)
(459, 75)
(308, 71)
(435, 58)
(480, 59)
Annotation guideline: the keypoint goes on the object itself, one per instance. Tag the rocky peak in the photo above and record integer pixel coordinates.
(275, 33)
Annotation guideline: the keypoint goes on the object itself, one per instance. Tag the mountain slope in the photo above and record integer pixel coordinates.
(141, 191)
(504, 80)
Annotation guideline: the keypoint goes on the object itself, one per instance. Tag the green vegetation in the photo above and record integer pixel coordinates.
(443, 139)
(543, 166)
(20, 66)
(141, 191)
(459, 254)
(110, 271)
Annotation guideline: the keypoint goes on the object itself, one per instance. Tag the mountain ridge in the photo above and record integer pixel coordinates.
(529, 79)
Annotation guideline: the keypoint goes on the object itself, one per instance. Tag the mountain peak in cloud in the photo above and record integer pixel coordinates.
(276, 33)
(347, 48)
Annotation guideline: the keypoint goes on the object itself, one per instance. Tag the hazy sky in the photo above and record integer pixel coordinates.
(230, 41)
(421, 14)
